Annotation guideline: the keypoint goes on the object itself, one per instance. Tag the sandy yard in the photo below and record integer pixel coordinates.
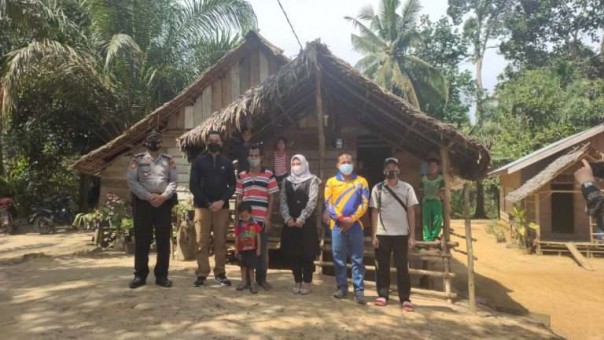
(556, 286)
(54, 294)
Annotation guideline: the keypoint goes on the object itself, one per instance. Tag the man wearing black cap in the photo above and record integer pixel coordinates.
(393, 205)
(152, 180)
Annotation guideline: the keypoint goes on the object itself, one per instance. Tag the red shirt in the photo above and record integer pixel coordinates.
(247, 233)
(256, 189)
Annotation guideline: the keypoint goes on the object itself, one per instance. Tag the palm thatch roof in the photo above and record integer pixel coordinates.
(97, 160)
(289, 95)
(550, 172)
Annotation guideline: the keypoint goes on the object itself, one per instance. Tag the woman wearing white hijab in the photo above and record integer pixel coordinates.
(299, 238)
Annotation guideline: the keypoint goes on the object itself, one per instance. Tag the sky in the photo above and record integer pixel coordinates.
(324, 19)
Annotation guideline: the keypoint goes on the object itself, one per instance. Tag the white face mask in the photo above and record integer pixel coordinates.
(297, 170)
(254, 162)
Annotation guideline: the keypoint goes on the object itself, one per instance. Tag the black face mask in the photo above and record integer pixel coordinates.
(214, 147)
(392, 174)
(153, 145)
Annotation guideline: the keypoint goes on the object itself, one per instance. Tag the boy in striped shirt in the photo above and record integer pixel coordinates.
(257, 187)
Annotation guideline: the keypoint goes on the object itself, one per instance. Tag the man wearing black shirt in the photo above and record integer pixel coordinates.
(212, 183)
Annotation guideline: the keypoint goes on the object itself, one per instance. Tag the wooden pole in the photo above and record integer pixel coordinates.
(321, 136)
(538, 221)
(444, 158)
(470, 249)
(445, 164)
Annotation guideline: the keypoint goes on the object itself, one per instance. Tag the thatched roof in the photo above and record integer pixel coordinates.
(289, 95)
(550, 172)
(97, 160)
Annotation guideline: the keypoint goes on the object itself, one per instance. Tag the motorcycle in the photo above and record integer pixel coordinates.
(45, 219)
(7, 215)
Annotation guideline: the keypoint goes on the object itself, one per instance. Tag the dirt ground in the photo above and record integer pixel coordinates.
(53, 294)
(556, 286)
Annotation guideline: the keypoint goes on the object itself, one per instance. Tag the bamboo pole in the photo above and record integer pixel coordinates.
(470, 249)
(322, 147)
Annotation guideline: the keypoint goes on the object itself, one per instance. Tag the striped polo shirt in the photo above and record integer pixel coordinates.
(256, 189)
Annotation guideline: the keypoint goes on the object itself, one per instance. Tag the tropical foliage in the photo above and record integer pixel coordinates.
(386, 39)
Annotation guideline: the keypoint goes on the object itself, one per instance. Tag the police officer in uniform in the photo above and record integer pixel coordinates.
(152, 180)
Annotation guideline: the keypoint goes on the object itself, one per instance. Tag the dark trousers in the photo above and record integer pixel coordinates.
(397, 245)
(262, 268)
(148, 221)
(302, 268)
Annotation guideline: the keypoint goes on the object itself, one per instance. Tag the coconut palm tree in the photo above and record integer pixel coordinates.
(386, 41)
(141, 52)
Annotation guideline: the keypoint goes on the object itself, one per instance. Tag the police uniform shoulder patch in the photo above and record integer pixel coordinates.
(172, 163)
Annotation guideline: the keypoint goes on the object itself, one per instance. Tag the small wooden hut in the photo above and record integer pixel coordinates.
(324, 106)
(248, 64)
(542, 184)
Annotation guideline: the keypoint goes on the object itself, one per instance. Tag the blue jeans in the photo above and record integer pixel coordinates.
(342, 245)
(262, 268)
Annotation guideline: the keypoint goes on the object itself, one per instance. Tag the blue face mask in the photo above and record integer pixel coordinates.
(345, 169)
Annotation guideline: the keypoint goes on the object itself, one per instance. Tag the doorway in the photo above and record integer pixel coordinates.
(371, 154)
(563, 212)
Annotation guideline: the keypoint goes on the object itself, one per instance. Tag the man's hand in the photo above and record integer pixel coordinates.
(298, 224)
(291, 223)
(346, 223)
(411, 242)
(215, 206)
(375, 242)
(585, 174)
(325, 216)
(157, 200)
(267, 224)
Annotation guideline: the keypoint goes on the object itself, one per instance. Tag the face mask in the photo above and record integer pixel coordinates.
(345, 169)
(153, 145)
(254, 162)
(214, 147)
(392, 174)
(297, 170)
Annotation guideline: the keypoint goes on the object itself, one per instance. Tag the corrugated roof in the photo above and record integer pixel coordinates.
(548, 150)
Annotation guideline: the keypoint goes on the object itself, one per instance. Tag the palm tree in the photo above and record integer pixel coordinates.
(140, 52)
(386, 40)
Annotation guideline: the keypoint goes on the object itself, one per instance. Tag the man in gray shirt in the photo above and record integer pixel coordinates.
(392, 206)
(152, 180)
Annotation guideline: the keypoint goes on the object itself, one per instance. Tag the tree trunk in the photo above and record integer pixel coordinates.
(480, 212)
(479, 89)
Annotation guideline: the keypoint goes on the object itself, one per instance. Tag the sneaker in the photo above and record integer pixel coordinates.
(340, 294)
(305, 289)
(200, 281)
(223, 281)
(137, 282)
(296, 289)
(359, 297)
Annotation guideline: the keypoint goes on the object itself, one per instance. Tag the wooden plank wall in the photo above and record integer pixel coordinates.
(114, 177)
(249, 71)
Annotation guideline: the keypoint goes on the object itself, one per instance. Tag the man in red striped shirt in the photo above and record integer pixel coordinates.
(257, 187)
